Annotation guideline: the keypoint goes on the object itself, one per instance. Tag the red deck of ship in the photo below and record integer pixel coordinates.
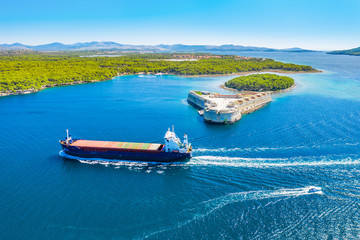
(117, 145)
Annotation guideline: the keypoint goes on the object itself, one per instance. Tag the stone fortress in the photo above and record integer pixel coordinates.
(217, 108)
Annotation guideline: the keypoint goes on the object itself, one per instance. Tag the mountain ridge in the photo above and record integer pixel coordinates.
(109, 45)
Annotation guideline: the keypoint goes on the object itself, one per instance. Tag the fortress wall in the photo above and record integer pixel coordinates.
(196, 99)
(254, 104)
(221, 117)
(227, 115)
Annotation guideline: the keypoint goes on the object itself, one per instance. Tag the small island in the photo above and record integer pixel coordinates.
(260, 82)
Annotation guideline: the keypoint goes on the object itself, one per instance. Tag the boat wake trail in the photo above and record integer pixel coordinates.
(274, 149)
(273, 162)
(258, 149)
(225, 161)
(205, 208)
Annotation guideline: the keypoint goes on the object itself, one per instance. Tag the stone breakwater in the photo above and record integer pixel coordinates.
(219, 108)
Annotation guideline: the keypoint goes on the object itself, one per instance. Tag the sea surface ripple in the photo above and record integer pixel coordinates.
(248, 180)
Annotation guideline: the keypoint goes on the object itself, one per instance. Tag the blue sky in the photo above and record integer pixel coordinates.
(311, 24)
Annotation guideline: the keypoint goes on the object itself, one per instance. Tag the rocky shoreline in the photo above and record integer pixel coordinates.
(33, 90)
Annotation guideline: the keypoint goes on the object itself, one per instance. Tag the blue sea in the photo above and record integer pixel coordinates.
(248, 180)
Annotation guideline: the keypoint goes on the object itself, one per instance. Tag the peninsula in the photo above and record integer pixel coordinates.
(27, 72)
(353, 52)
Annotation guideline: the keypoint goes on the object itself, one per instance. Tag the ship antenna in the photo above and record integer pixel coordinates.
(173, 128)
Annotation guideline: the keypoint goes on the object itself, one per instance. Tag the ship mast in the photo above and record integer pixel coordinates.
(67, 136)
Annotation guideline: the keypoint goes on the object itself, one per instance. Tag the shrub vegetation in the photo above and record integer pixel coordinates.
(260, 82)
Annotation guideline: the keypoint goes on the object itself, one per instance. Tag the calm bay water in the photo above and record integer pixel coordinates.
(246, 181)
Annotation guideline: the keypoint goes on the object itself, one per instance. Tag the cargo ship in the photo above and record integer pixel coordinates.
(173, 150)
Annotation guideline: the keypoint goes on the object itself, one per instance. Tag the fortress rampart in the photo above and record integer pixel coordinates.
(227, 108)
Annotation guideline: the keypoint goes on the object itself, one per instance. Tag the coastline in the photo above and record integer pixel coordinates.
(28, 91)
(33, 90)
(250, 72)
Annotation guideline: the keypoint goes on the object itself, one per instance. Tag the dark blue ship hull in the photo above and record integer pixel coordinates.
(143, 156)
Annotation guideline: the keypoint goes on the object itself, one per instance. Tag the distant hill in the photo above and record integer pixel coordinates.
(354, 51)
(198, 48)
(81, 47)
(140, 48)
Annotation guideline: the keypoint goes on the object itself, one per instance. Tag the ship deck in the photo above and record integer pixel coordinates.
(118, 145)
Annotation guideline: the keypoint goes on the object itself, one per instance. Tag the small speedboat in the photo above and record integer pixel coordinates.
(313, 189)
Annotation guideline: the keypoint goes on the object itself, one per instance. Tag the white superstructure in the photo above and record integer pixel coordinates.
(173, 143)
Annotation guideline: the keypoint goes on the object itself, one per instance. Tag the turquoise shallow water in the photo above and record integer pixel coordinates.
(246, 181)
